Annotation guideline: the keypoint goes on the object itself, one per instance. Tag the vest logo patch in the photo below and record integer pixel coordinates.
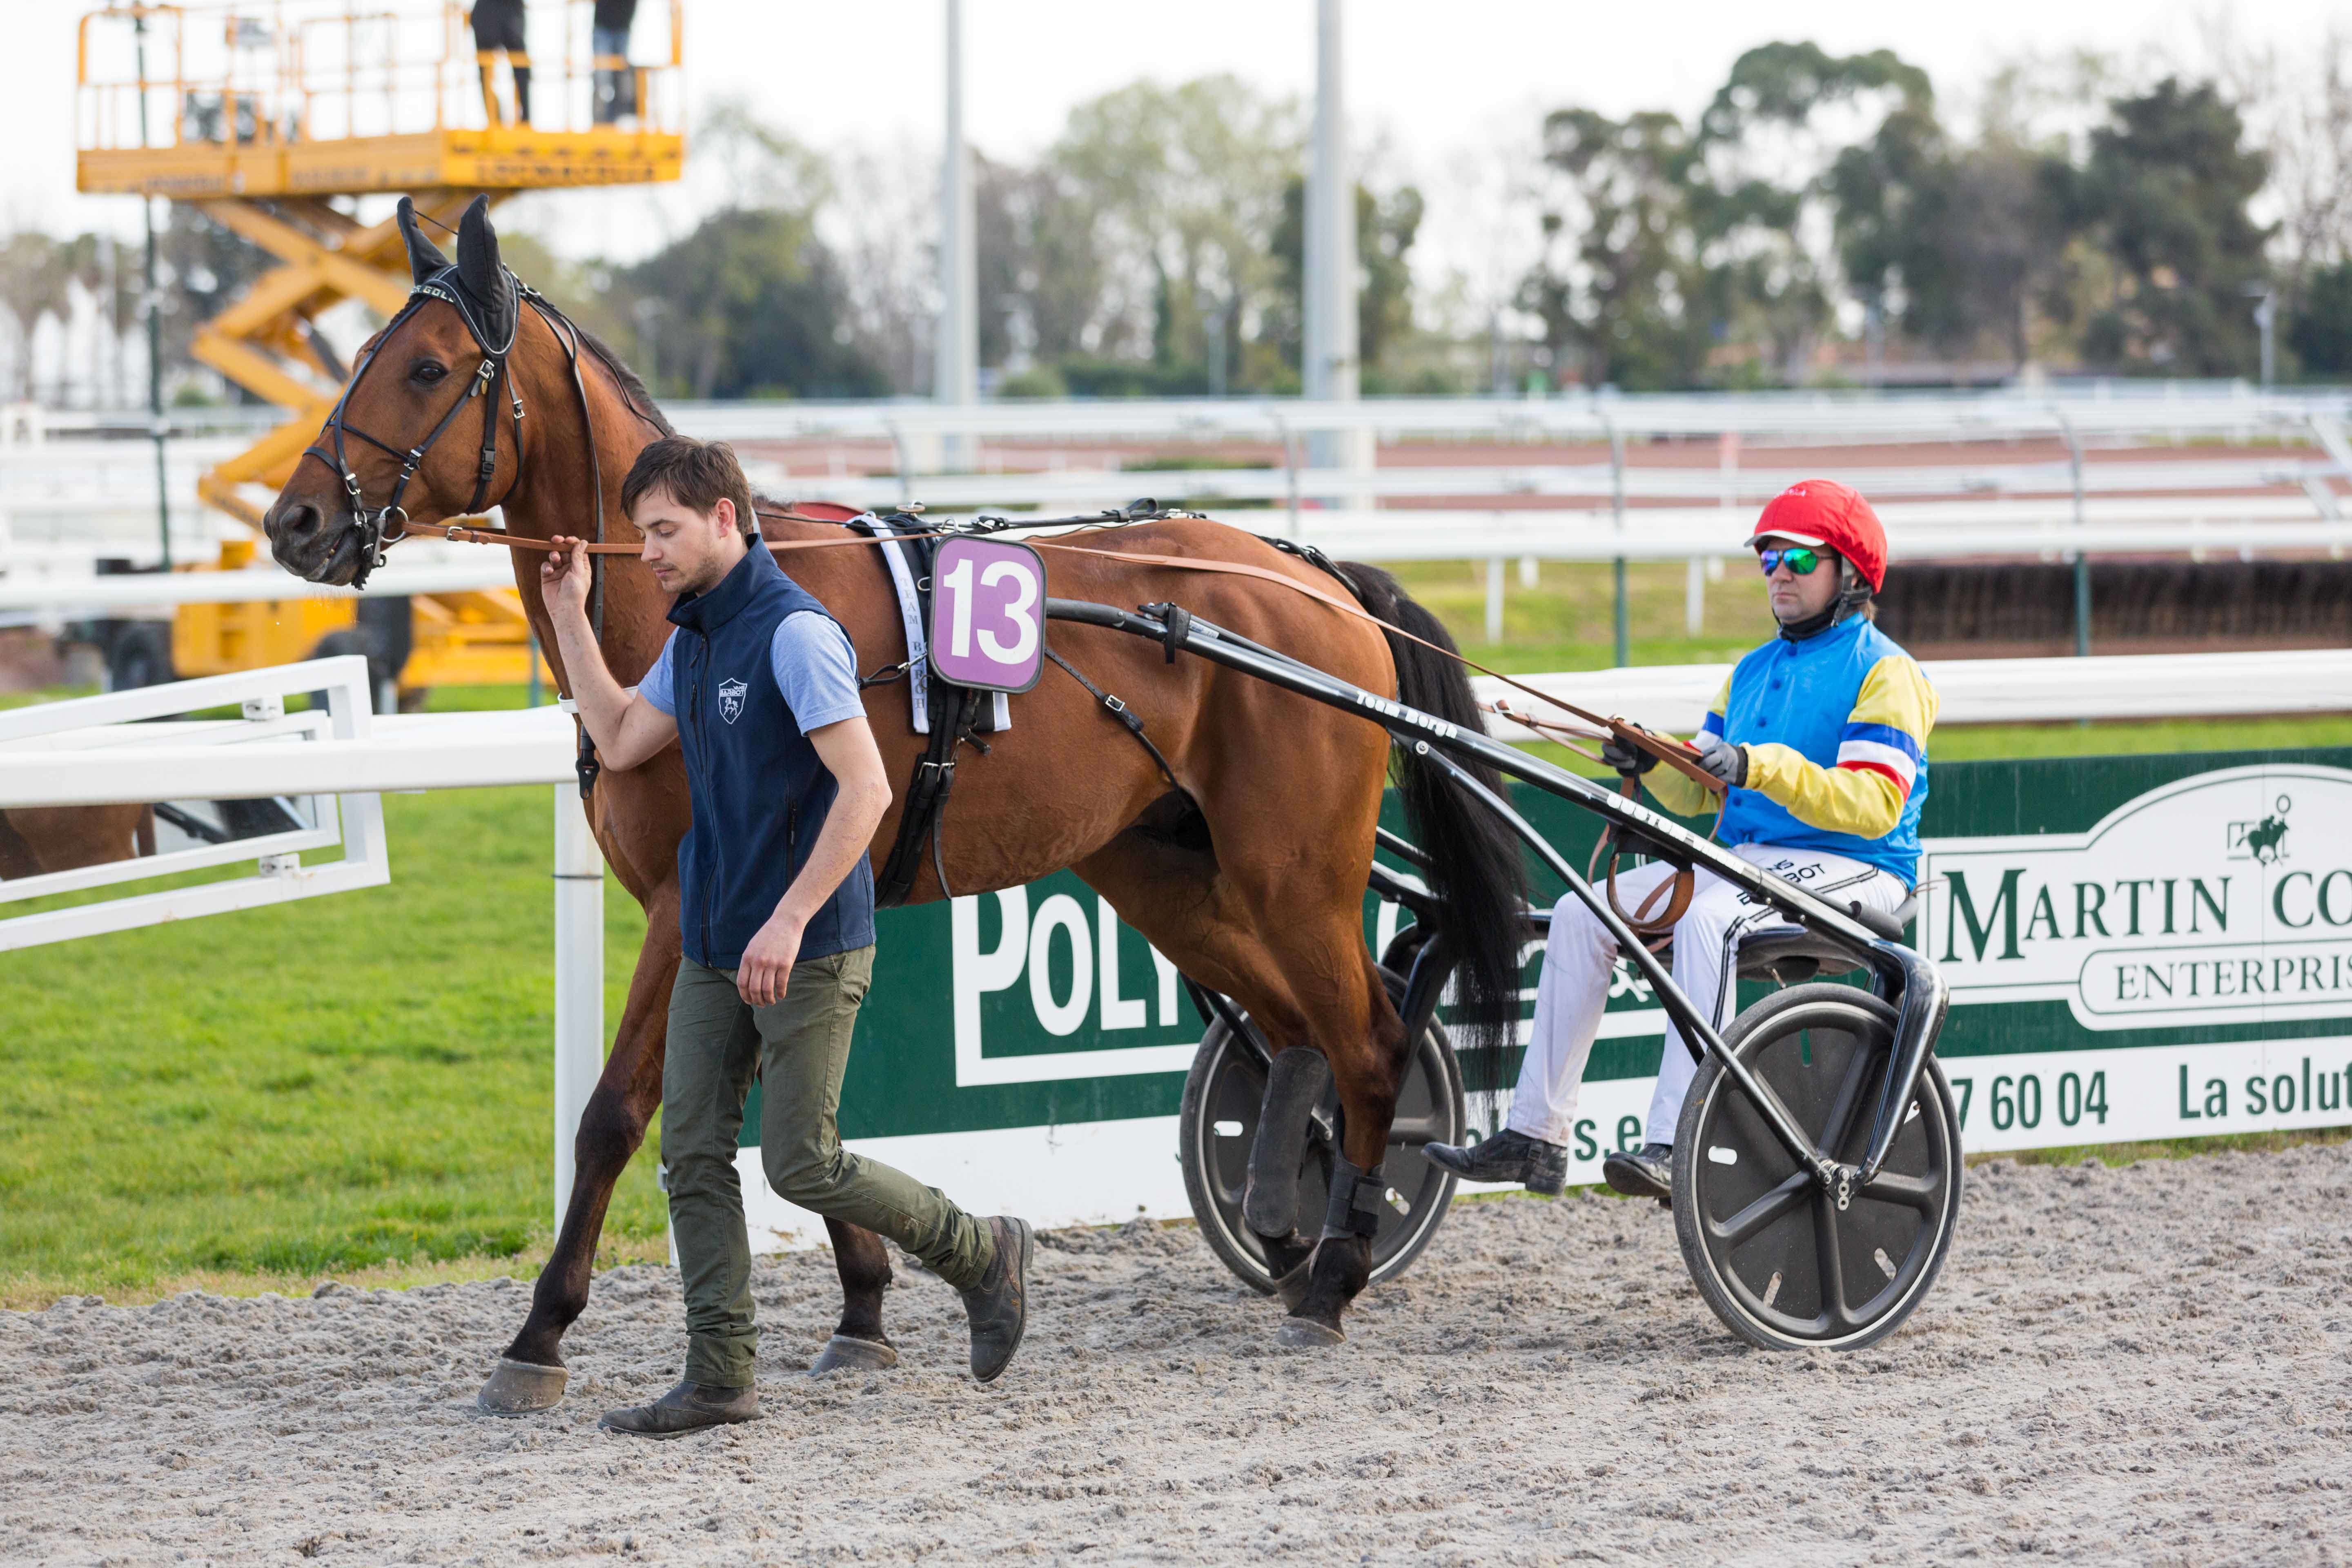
(731, 700)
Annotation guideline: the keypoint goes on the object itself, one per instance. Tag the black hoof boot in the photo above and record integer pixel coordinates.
(1644, 1172)
(1507, 1156)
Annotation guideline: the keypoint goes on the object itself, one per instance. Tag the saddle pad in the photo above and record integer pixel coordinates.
(911, 618)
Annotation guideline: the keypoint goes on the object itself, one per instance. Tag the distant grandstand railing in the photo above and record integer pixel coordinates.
(2285, 488)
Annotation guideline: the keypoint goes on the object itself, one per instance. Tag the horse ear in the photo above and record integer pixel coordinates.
(424, 258)
(480, 272)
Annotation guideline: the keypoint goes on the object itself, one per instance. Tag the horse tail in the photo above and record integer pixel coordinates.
(1475, 870)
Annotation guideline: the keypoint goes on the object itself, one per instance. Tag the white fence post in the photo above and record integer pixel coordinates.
(579, 978)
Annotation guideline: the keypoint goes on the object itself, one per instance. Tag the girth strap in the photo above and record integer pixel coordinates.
(953, 711)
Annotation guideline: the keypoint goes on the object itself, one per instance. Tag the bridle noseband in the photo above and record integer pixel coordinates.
(376, 526)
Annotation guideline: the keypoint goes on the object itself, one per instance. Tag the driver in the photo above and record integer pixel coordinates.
(1820, 738)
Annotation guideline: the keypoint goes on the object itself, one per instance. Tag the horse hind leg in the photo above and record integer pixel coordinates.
(1290, 950)
(1369, 1065)
(864, 1263)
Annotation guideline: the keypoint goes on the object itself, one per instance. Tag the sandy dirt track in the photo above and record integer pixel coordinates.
(2147, 1364)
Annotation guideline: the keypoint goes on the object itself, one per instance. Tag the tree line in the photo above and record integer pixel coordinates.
(1823, 218)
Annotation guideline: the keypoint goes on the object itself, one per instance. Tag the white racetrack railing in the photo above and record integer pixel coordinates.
(1915, 532)
(1675, 697)
(66, 503)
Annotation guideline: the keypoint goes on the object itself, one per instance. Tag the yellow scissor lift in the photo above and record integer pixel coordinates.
(273, 117)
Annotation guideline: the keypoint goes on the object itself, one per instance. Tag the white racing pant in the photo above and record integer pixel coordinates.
(1580, 955)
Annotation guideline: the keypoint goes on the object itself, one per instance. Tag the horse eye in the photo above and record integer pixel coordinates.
(426, 373)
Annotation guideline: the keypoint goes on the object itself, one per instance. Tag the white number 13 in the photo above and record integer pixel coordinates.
(1022, 611)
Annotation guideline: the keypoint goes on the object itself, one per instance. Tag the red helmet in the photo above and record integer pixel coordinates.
(1823, 513)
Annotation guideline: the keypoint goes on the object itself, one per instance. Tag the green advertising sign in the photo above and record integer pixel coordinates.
(2138, 947)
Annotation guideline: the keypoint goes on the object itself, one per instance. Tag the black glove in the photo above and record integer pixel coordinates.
(1625, 758)
(1724, 760)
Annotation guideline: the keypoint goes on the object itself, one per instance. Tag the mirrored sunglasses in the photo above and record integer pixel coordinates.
(1798, 558)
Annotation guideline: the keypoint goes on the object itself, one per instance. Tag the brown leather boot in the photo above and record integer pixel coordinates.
(688, 1407)
(998, 1307)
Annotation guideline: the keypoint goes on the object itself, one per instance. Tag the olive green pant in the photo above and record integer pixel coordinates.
(798, 1048)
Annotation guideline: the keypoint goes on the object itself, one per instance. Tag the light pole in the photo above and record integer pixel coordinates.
(955, 375)
(155, 426)
(2265, 300)
(1328, 368)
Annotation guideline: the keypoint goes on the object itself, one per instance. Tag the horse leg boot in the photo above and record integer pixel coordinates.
(1295, 1088)
(859, 1342)
(1369, 1079)
(530, 1376)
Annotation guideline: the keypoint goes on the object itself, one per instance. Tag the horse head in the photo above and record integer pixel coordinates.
(438, 369)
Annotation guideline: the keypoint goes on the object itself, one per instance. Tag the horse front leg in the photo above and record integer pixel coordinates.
(530, 1376)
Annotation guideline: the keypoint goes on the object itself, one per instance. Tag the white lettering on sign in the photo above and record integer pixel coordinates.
(2222, 898)
(1074, 975)
(1118, 1011)
(1060, 1014)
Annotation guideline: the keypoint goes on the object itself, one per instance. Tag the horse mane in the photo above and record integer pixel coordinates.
(632, 387)
(641, 403)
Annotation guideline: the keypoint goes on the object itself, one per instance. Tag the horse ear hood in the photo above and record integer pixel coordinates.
(485, 282)
(424, 258)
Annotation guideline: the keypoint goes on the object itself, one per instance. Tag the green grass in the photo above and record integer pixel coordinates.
(47, 694)
(2170, 1148)
(358, 1085)
(1568, 620)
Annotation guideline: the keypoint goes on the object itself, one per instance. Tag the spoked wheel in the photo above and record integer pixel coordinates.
(1218, 1125)
(1776, 1258)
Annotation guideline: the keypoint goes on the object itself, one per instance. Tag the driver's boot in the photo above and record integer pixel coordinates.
(1644, 1172)
(1508, 1156)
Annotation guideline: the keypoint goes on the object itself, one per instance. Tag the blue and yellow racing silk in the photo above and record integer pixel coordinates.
(1836, 732)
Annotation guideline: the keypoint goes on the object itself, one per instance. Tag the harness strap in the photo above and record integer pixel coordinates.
(927, 796)
(1122, 712)
(1178, 626)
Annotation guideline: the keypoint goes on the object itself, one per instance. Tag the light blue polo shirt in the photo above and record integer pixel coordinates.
(814, 666)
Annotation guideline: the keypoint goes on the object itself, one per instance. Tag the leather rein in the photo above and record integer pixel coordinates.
(1647, 919)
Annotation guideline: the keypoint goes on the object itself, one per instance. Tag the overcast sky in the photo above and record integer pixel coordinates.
(1436, 85)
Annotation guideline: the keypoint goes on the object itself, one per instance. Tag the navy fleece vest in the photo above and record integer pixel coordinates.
(760, 791)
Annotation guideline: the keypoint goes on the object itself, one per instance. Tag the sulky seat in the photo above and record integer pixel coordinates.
(1791, 956)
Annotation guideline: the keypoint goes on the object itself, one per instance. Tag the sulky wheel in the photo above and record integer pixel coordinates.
(1771, 1252)
(1218, 1123)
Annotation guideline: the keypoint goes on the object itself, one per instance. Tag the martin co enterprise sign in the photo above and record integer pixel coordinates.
(2222, 898)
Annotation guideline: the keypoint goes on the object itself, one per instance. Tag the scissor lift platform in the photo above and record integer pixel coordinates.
(272, 117)
(493, 158)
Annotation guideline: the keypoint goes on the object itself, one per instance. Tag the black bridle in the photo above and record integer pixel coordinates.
(382, 527)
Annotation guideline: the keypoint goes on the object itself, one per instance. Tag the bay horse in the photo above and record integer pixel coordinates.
(1250, 877)
(36, 840)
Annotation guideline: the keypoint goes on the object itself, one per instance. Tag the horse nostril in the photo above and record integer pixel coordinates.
(299, 524)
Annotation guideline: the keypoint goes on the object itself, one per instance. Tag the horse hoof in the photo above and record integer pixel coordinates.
(1291, 1287)
(1307, 1334)
(841, 1353)
(521, 1387)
